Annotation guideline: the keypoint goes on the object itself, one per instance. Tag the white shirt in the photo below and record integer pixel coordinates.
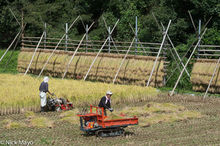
(107, 100)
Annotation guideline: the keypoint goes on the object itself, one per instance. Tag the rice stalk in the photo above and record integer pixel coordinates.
(133, 71)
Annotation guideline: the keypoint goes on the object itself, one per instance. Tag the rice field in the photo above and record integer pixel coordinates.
(18, 91)
(196, 122)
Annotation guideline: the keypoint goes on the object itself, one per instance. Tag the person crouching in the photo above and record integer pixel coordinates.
(105, 102)
(43, 92)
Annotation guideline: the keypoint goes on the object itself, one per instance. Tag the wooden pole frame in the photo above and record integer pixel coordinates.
(190, 47)
(45, 34)
(96, 58)
(109, 32)
(172, 92)
(57, 47)
(181, 62)
(139, 42)
(100, 51)
(164, 37)
(122, 62)
(67, 67)
(34, 53)
(171, 45)
(136, 35)
(66, 38)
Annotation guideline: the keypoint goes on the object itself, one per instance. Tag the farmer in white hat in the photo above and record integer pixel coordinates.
(105, 102)
(43, 90)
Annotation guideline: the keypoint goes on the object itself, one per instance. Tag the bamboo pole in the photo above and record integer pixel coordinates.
(191, 46)
(22, 23)
(123, 60)
(12, 52)
(106, 26)
(100, 41)
(45, 34)
(171, 45)
(167, 36)
(100, 51)
(181, 62)
(95, 58)
(210, 82)
(15, 17)
(11, 44)
(114, 45)
(187, 63)
(56, 47)
(66, 41)
(34, 53)
(67, 67)
(192, 21)
(136, 34)
(164, 37)
(142, 47)
(87, 38)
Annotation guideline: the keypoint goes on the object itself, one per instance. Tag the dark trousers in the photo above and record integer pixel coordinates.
(105, 113)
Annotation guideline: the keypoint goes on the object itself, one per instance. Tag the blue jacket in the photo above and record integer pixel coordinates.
(43, 87)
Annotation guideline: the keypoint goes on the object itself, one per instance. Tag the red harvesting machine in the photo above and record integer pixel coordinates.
(97, 123)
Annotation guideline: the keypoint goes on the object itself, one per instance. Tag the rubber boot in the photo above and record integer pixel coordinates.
(42, 109)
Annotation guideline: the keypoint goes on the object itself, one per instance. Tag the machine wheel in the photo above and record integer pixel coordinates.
(57, 109)
(109, 132)
(70, 106)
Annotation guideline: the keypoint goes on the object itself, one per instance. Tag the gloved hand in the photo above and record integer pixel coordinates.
(111, 109)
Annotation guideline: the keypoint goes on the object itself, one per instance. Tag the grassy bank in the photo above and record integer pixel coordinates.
(9, 62)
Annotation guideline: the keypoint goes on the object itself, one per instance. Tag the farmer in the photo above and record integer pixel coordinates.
(43, 90)
(105, 102)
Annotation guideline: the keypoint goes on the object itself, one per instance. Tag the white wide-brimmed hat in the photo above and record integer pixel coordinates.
(108, 93)
(46, 79)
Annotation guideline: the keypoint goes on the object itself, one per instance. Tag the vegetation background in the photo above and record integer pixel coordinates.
(58, 12)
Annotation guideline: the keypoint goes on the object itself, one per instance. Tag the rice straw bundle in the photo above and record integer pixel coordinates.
(135, 70)
(202, 73)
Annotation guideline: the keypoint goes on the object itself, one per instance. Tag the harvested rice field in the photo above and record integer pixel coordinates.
(163, 120)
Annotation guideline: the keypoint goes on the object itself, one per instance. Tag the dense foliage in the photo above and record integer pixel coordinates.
(57, 13)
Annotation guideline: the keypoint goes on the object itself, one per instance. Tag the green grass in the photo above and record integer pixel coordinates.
(9, 62)
(187, 92)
